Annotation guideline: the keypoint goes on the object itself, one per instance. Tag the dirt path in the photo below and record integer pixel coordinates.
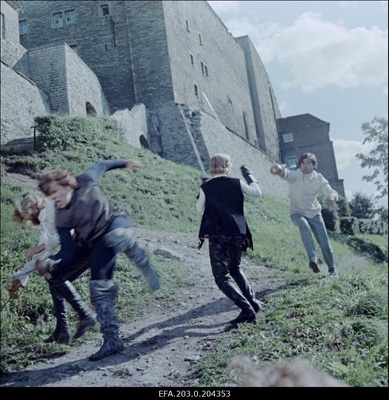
(163, 345)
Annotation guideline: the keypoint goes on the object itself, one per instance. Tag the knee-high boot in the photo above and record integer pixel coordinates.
(103, 296)
(61, 333)
(87, 318)
(247, 314)
(239, 277)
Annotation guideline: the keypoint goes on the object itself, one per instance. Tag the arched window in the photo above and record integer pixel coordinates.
(143, 142)
(90, 110)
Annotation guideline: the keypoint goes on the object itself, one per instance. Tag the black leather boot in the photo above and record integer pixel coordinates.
(247, 314)
(61, 333)
(103, 295)
(87, 318)
(244, 286)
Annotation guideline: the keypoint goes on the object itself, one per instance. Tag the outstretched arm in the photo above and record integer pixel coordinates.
(96, 171)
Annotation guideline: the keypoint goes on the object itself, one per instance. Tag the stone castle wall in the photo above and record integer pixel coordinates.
(148, 56)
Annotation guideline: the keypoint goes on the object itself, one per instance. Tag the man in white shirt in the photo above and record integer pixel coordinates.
(305, 210)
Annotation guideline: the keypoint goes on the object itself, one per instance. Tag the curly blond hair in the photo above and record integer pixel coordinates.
(220, 164)
(29, 208)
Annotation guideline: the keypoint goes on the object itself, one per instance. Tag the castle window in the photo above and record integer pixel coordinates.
(22, 27)
(191, 59)
(90, 110)
(108, 46)
(58, 20)
(291, 162)
(2, 26)
(287, 137)
(187, 25)
(74, 48)
(196, 90)
(104, 10)
(204, 69)
(70, 17)
(200, 41)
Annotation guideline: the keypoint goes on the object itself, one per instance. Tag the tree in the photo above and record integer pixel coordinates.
(362, 206)
(376, 132)
(343, 207)
(382, 213)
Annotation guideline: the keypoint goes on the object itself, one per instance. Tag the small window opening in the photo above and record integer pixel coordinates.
(70, 17)
(22, 27)
(90, 110)
(58, 20)
(74, 48)
(287, 137)
(104, 9)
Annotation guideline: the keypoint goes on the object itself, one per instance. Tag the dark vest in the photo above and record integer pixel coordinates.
(224, 213)
(89, 212)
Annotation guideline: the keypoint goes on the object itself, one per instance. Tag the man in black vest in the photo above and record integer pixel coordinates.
(220, 199)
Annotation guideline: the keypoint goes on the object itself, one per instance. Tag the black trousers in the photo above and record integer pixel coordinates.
(225, 255)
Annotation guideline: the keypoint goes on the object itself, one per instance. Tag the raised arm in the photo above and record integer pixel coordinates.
(96, 171)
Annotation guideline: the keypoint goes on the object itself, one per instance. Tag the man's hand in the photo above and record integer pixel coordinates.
(41, 267)
(329, 201)
(277, 169)
(133, 165)
(14, 290)
(34, 250)
(248, 175)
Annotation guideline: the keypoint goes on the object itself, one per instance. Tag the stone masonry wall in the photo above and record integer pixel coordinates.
(264, 102)
(21, 101)
(83, 87)
(218, 69)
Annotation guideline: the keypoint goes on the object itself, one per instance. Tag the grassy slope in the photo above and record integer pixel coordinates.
(340, 325)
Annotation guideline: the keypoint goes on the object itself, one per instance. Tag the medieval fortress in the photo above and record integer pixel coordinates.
(169, 72)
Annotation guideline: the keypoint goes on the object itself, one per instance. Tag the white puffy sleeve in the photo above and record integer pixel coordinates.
(49, 234)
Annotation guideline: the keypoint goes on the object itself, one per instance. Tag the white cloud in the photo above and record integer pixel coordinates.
(220, 6)
(346, 150)
(319, 53)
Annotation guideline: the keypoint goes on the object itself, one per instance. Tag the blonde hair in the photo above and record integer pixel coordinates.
(29, 208)
(60, 175)
(220, 164)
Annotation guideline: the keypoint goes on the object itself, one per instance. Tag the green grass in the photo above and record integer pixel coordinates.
(339, 325)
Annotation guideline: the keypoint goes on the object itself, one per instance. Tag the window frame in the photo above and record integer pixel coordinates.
(288, 137)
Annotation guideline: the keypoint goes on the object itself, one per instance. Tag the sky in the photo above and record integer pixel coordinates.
(325, 58)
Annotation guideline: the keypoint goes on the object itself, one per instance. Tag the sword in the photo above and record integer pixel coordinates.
(2, 308)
